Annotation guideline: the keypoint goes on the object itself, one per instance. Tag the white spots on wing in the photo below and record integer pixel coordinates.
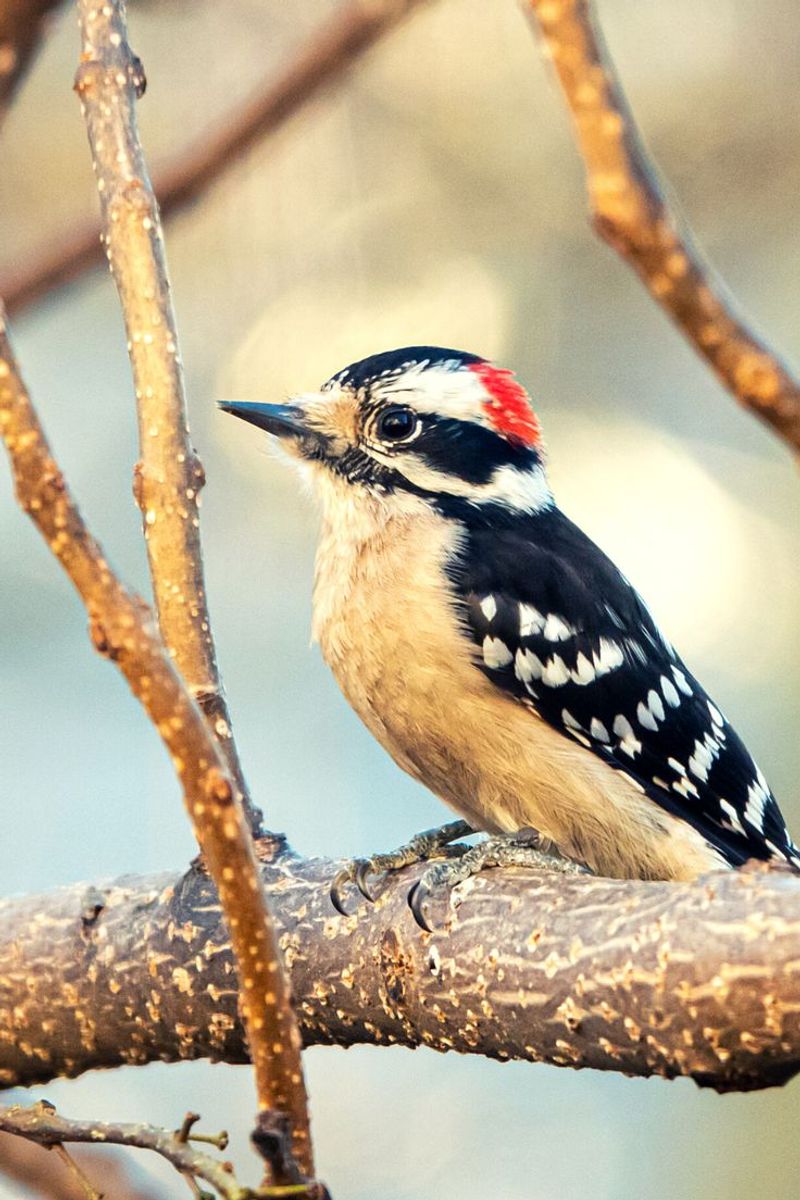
(628, 742)
(607, 657)
(655, 705)
(659, 783)
(732, 817)
(670, 692)
(569, 720)
(645, 717)
(531, 620)
(682, 681)
(556, 672)
(703, 756)
(556, 629)
(685, 787)
(496, 653)
(489, 608)
(598, 730)
(716, 715)
(757, 798)
(584, 671)
(528, 666)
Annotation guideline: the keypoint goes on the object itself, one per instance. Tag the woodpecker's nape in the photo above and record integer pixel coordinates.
(494, 650)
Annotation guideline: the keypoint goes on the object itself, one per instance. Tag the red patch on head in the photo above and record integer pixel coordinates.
(507, 404)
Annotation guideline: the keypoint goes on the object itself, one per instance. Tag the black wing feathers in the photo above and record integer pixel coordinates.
(561, 629)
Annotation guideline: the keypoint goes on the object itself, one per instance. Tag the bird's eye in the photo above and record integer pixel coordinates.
(395, 424)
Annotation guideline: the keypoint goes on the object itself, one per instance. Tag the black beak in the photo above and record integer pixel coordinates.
(283, 420)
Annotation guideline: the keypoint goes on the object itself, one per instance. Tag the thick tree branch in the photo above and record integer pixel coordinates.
(631, 213)
(698, 979)
(169, 476)
(122, 629)
(22, 26)
(341, 41)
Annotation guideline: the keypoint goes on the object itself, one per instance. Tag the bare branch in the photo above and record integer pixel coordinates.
(332, 50)
(40, 1123)
(632, 214)
(22, 26)
(669, 979)
(169, 476)
(122, 629)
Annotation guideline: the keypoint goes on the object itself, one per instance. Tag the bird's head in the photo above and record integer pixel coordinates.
(443, 426)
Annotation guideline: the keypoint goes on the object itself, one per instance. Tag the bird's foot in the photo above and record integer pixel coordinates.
(522, 849)
(433, 843)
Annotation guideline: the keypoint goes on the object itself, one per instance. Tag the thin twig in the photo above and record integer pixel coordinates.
(23, 24)
(41, 1123)
(341, 40)
(169, 475)
(632, 214)
(122, 629)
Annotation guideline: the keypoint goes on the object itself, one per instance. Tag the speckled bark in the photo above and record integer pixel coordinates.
(695, 979)
(169, 476)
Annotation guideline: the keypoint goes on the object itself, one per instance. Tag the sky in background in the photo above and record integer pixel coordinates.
(435, 198)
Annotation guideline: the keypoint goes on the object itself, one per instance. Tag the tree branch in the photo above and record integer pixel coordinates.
(331, 51)
(631, 213)
(696, 979)
(40, 1123)
(122, 629)
(22, 26)
(169, 476)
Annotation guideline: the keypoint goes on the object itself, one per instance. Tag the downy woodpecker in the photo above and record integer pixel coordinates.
(489, 645)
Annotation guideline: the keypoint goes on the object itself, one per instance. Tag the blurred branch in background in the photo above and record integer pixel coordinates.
(49, 1178)
(631, 213)
(23, 24)
(339, 43)
(697, 979)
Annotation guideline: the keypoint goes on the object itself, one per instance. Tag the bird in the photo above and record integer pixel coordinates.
(494, 650)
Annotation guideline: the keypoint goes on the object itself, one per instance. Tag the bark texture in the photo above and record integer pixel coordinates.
(698, 979)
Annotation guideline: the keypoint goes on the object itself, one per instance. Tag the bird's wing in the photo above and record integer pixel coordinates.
(582, 649)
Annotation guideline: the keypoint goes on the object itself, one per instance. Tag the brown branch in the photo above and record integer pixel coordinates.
(41, 1124)
(697, 979)
(23, 24)
(169, 476)
(632, 214)
(332, 50)
(122, 629)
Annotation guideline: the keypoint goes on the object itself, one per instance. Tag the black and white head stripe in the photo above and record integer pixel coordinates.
(558, 627)
(444, 425)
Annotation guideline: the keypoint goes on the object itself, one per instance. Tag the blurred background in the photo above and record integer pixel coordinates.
(434, 197)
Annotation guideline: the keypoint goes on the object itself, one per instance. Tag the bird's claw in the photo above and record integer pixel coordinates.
(356, 872)
(433, 843)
